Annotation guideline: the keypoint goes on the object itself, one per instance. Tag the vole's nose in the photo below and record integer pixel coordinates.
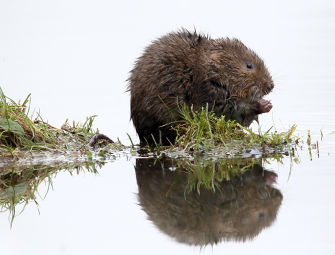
(272, 86)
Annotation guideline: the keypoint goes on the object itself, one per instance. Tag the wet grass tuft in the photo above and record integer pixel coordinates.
(17, 130)
(202, 131)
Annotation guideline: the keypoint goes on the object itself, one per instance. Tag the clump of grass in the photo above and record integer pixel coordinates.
(20, 135)
(82, 130)
(203, 130)
(17, 130)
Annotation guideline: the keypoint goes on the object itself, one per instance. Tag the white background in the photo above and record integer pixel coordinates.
(75, 57)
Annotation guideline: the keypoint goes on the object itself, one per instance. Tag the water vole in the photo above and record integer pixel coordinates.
(189, 68)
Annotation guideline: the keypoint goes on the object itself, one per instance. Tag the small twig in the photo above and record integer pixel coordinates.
(68, 129)
(39, 121)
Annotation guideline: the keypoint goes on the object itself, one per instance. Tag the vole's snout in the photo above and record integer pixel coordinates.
(268, 88)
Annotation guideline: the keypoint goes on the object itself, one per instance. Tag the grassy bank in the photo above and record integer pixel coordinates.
(198, 132)
(21, 135)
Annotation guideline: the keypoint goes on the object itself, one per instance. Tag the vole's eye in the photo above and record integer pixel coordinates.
(250, 66)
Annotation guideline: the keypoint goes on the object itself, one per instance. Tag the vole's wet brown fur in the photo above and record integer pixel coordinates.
(188, 68)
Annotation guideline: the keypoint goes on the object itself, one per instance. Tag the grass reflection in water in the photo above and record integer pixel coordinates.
(18, 185)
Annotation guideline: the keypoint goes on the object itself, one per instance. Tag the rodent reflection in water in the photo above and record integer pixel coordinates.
(238, 210)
